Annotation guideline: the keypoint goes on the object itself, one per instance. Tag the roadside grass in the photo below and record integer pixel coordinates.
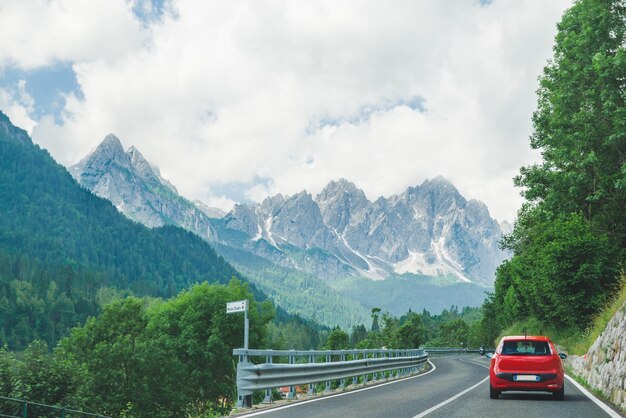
(534, 326)
(600, 322)
(572, 341)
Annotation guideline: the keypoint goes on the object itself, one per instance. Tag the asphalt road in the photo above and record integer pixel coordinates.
(457, 387)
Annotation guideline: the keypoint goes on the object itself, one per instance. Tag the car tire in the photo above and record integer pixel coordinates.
(494, 394)
(559, 395)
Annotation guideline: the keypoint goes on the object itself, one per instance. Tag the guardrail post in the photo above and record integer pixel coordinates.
(244, 398)
(311, 391)
(292, 389)
(365, 357)
(268, 392)
(342, 383)
(328, 360)
(355, 378)
(375, 375)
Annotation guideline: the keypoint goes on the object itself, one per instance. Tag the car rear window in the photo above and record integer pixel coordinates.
(526, 348)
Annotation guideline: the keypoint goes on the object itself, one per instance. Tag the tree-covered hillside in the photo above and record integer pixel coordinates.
(570, 236)
(60, 245)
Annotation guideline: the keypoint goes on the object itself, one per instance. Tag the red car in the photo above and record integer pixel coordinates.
(528, 364)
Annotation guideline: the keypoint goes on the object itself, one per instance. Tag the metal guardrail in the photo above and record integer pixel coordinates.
(26, 409)
(445, 351)
(314, 366)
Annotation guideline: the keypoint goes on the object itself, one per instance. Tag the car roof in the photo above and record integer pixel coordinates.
(526, 337)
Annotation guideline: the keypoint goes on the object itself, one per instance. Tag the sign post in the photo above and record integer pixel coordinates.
(238, 306)
(243, 400)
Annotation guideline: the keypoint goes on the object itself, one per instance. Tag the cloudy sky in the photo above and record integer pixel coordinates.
(236, 100)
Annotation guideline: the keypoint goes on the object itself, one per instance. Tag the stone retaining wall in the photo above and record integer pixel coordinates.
(604, 365)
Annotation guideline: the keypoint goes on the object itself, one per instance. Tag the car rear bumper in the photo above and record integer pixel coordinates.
(549, 382)
(544, 377)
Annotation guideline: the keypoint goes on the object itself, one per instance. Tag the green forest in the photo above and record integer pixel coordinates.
(570, 235)
(147, 357)
(64, 252)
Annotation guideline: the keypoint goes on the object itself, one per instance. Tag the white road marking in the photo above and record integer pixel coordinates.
(595, 400)
(476, 364)
(447, 401)
(268, 411)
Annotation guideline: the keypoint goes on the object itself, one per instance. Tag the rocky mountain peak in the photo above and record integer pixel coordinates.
(109, 149)
(272, 204)
(340, 186)
(108, 154)
(440, 195)
(339, 201)
(138, 160)
(136, 188)
(149, 173)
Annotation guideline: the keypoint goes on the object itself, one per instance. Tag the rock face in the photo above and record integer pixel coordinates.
(428, 230)
(137, 189)
(604, 365)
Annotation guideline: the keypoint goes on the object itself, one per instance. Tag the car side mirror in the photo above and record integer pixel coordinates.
(488, 355)
(563, 356)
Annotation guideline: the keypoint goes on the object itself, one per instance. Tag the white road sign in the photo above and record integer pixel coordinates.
(238, 306)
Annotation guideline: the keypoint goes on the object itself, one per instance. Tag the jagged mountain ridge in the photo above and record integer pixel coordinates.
(137, 189)
(429, 229)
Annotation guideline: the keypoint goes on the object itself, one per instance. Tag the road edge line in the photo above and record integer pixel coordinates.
(595, 400)
(336, 395)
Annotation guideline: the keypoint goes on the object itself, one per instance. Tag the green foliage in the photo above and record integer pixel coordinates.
(165, 358)
(563, 275)
(337, 340)
(293, 333)
(358, 334)
(375, 314)
(580, 123)
(297, 292)
(8, 372)
(581, 344)
(454, 333)
(60, 246)
(412, 332)
(570, 236)
(41, 377)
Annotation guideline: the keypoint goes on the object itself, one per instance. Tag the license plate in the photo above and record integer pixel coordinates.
(526, 378)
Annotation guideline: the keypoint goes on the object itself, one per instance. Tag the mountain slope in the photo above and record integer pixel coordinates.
(317, 255)
(46, 216)
(428, 230)
(138, 190)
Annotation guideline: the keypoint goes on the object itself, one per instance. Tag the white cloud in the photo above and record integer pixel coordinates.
(42, 32)
(229, 92)
(18, 105)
